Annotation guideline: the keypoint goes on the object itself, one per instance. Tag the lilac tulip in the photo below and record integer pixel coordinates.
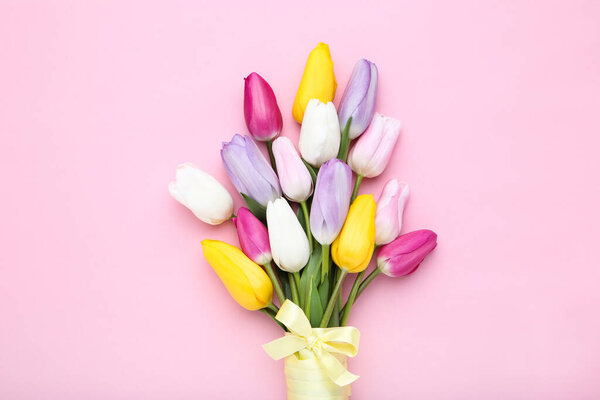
(261, 111)
(249, 171)
(371, 153)
(390, 207)
(358, 100)
(253, 235)
(331, 201)
(295, 180)
(404, 255)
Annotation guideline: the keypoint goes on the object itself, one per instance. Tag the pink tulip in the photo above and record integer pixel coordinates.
(390, 207)
(261, 111)
(294, 178)
(253, 235)
(373, 149)
(404, 255)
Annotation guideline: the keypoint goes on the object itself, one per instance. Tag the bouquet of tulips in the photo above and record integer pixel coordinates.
(333, 233)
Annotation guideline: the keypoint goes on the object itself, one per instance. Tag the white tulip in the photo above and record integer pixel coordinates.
(202, 194)
(289, 245)
(390, 208)
(320, 133)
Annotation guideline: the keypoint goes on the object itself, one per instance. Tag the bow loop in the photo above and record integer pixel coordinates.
(322, 342)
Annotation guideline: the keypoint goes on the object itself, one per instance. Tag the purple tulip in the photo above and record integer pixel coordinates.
(404, 255)
(371, 153)
(358, 100)
(253, 235)
(331, 200)
(249, 171)
(261, 111)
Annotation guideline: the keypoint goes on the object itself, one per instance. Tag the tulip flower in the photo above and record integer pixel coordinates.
(289, 244)
(331, 201)
(247, 283)
(353, 248)
(371, 153)
(261, 111)
(253, 235)
(404, 255)
(249, 171)
(202, 194)
(318, 81)
(295, 180)
(358, 101)
(390, 207)
(320, 133)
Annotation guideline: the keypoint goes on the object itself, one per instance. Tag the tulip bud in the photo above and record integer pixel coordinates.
(261, 111)
(202, 194)
(331, 200)
(247, 283)
(249, 171)
(289, 245)
(320, 133)
(403, 255)
(353, 248)
(390, 207)
(371, 153)
(253, 235)
(295, 180)
(318, 81)
(358, 100)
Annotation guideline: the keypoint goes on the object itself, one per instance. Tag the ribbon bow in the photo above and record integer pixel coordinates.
(321, 341)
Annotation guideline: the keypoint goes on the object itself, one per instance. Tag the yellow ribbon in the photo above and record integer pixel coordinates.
(321, 341)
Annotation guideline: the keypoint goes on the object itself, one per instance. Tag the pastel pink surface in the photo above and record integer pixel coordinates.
(104, 293)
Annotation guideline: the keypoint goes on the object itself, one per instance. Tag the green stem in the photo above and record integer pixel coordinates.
(272, 316)
(335, 317)
(269, 268)
(294, 288)
(368, 280)
(307, 223)
(324, 261)
(351, 298)
(271, 155)
(359, 179)
(333, 299)
(307, 300)
(345, 142)
(273, 308)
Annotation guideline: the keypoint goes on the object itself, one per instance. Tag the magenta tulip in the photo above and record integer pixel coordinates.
(404, 255)
(261, 111)
(253, 235)
(372, 151)
(390, 207)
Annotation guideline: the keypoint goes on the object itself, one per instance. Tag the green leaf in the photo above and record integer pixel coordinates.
(312, 171)
(316, 307)
(285, 282)
(255, 208)
(300, 216)
(310, 272)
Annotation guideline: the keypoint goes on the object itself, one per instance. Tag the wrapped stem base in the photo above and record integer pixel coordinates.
(306, 380)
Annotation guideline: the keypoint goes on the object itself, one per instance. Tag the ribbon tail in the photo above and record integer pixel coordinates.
(284, 346)
(335, 370)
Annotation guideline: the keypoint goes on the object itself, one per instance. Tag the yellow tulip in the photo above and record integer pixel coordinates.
(247, 283)
(353, 248)
(318, 81)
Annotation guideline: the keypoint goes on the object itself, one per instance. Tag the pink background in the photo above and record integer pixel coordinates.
(104, 293)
